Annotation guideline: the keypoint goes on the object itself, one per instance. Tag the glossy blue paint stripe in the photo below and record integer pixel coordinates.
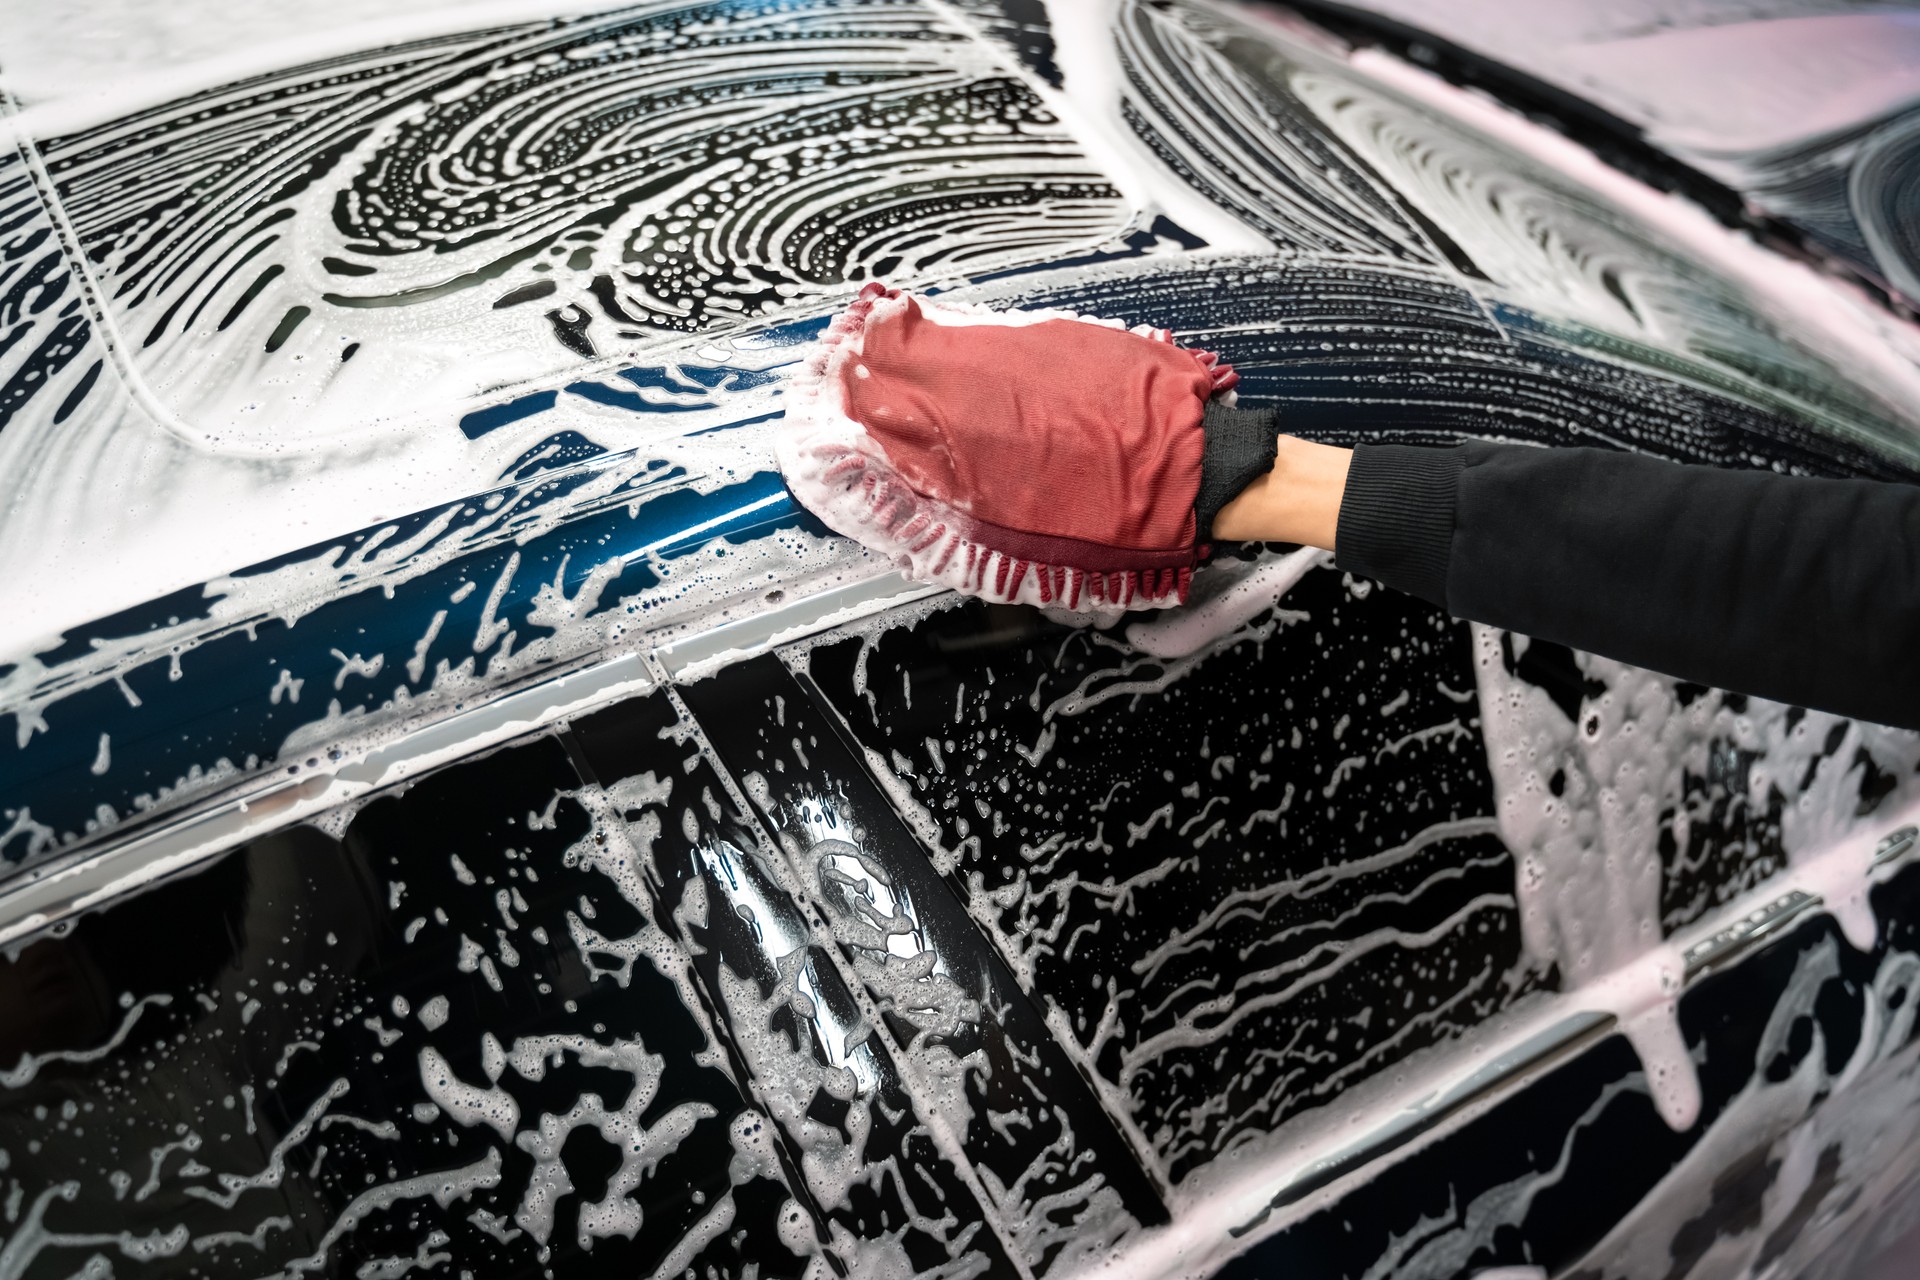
(221, 707)
(481, 421)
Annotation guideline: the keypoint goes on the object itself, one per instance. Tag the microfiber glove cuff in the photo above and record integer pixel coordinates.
(1396, 516)
(1240, 448)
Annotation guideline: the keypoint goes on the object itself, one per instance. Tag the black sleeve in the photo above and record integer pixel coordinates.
(1805, 591)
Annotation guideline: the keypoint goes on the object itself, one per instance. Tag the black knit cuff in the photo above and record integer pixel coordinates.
(1240, 447)
(1396, 516)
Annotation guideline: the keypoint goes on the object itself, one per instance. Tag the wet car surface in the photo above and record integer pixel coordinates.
(1741, 94)
(523, 842)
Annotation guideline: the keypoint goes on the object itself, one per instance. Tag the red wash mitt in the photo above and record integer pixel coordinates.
(1033, 457)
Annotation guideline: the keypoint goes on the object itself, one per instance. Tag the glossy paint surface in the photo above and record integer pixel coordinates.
(1383, 263)
(731, 976)
(1807, 110)
(513, 838)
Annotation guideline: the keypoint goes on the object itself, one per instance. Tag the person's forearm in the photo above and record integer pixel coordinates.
(1800, 590)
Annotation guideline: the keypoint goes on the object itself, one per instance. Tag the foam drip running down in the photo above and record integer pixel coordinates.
(1807, 1143)
(1581, 805)
(1596, 832)
(1774, 1121)
(1393, 144)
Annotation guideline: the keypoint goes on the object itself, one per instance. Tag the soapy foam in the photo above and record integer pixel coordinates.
(1385, 128)
(1828, 852)
(348, 443)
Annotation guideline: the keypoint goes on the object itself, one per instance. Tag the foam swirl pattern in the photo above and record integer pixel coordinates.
(549, 192)
(1884, 186)
(736, 919)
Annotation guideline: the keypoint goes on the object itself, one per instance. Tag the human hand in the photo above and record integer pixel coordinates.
(1297, 501)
